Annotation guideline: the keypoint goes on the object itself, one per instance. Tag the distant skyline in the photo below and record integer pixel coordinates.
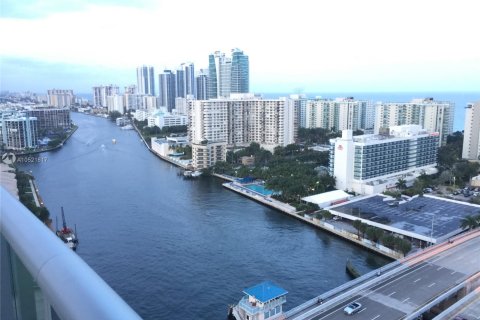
(293, 46)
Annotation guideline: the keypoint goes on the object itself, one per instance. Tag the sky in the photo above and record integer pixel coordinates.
(293, 46)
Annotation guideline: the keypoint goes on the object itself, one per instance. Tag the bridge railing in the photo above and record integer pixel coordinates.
(69, 285)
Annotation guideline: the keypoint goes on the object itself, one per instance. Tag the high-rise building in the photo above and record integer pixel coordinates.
(227, 74)
(339, 114)
(369, 164)
(101, 93)
(189, 76)
(18, 131)
(167, 89)
(240, 72)
(131, 89)
(60, 98)
(242, 119)
(50, 119)
(116, 103)
(300, 104)
(433, 116)
(180, 83)
(471, 136)
(146, 80)
(201, 81)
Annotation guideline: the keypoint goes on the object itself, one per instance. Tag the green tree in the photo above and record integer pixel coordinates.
(401, 184)
(357, 225)
(113, 115)
(327, 215)
(470, 222)
(389, 241)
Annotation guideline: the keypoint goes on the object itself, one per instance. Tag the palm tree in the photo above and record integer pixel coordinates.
(470, 222)
(401, 184)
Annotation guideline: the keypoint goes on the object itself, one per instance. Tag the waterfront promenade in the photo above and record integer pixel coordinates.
(337, 228)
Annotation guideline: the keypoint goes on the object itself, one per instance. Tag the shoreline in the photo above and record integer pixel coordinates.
(74, 129)
(283, 208)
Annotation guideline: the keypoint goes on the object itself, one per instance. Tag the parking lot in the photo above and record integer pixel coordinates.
(416, 215)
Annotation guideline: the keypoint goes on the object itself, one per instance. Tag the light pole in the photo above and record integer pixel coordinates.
(431, 231)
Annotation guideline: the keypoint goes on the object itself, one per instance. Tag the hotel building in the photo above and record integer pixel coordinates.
(433, 116)
(371, 163)
(471, 136)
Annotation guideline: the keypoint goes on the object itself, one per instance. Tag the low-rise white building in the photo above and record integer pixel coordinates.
(140, 115)
(162, 118)
(205, 154)
(370, 164)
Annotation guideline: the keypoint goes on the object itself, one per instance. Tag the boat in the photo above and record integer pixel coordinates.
(196, 174)
(114, 141)
(189, 174)
(127, 127)
(67, 234)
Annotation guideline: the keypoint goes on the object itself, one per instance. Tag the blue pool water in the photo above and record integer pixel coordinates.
(259, 189)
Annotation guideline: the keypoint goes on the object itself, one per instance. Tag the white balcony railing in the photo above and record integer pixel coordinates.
(72, 288)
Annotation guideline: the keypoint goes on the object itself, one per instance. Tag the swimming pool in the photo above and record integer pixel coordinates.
(260, 189)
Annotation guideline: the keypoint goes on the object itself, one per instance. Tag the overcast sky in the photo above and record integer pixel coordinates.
(309, 46)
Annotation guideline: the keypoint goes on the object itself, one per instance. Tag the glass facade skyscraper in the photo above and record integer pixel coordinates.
(146, 80)
(239, 73)
(227, 75)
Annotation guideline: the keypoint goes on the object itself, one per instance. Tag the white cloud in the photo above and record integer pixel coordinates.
(311, 40)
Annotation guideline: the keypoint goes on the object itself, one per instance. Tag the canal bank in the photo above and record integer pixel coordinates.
(161, 241)
(289, 210)
(309, 219)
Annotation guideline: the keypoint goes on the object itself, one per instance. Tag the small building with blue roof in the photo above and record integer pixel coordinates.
(262, 301)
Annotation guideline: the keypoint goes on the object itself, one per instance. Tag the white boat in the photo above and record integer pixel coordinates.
(196, 174)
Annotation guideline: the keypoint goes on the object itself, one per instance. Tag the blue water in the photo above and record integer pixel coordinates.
(259, 188)
(175, 248)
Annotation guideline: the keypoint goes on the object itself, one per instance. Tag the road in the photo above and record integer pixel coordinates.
(407, 291)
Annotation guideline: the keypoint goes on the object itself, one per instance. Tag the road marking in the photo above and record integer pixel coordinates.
(453, 272)
(431, 285)
(362, 310)
(406, 300)
(439, 268)
(376, 317)
(417, 280)
(391, 294)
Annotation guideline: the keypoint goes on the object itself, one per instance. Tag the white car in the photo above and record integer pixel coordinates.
(352, 308)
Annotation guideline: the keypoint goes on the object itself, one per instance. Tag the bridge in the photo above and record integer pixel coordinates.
(442, 277)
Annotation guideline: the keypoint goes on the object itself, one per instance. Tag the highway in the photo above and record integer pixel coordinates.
(394, 297)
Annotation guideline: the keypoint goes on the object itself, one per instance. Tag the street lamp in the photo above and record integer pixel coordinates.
(431, 231)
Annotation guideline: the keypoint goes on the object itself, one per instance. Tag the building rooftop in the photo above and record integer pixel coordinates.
(265, 291)
(327, 197)
(412, 215)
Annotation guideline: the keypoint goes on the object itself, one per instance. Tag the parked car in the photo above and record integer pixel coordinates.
(352, 308)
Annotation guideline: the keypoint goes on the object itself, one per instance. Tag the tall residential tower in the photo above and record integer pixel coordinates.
(146, 80)
(471, 137)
